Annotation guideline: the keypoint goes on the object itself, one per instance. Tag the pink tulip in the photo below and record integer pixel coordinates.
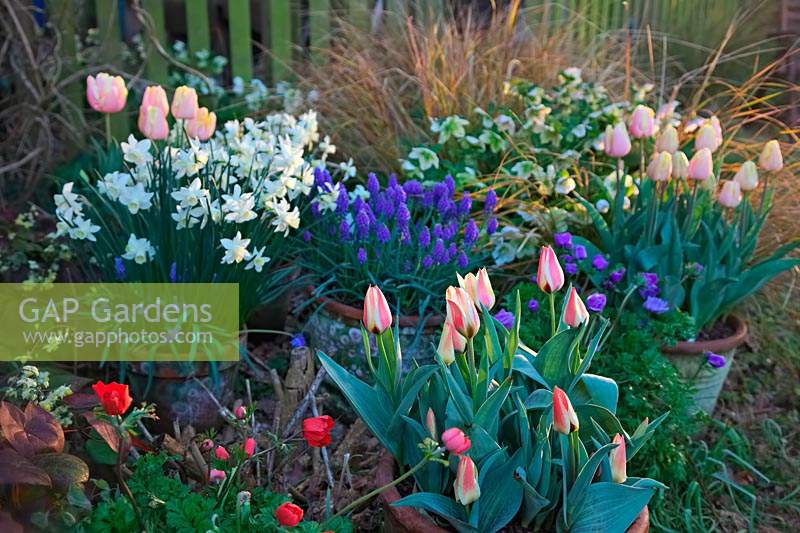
(617, 143)
(106, 93)
(153, 123)
(666, 110)
(575, 312)
(642, 123)
(217, 475)
(667, 140)
(660, 168)
(771, 158)
(461, 312)
(564, 418)
(202, 126)
(707, 138)
(731, 194)
(714, 121)
(446, 348)
(155, 96)
(479, 287)
(249, 446)
(466, 486)
(184, 103)
(455, 441)
(240, 412)
(377, 317)
(680, 165)
(747, 176)
(206, 445)
(430, 423)
(618, 460)
(700, 166)
(221, 453)
(550, 277)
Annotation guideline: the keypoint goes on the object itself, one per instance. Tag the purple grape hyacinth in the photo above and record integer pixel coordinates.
(533, 305)
(599, 262)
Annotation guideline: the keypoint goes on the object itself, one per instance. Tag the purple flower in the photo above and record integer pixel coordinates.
(373, 185)
(599, 263)
(307, 236)
(533, 279)
(362, 224)
(506, 318)
(715, 360)
(650, 287)
(490, 203)
(344, 230)
(321, 177)
(471, 232)
(491, 226)
(616, 275)
(450, 183)
(428, 197)
(571, 269)
(413, 188)
(298, 341)
(446, 207)
(463, 260)
(563, 240)
(596, 302)
(439, 252)
(392, 181)
(656, 305)
(452, 250)
(362, 256)
(650, 279)
(533, 305)
(698, 268)
(119, 268)
(403, 215)
(465, 205)
(173, 272)
(382, 233)
(438, 232)
(567, 258)
(424, 238)
(315, 209)
(342, 201)
(427, 262)
(580, 252)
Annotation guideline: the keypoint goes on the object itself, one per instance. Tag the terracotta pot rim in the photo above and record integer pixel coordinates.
(349, 312)
(415, 521)
(715, 345)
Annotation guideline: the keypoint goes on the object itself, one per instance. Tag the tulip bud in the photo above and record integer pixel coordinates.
(701, 166)
(731, 194)
(430, 423)
(184, 103)
(249, 446)
(466, 485)
(747, 176)
(106, 93)
(575, 312)
(202, 126)
(617, 143)
(240, 412)
(217, 475)
(660, 167)
(618, 460)
(564, 418)
(446, 348)
(153, 123)
(707, 138)
(714, 121)
(771, 158)
(478, 287)
(206, 445)
(549, 277)
(377, 317)
(668, 140)
(461, 312)
(221, 453)
(642, 123)
(455, 441)
(155, 96)
(680, 165)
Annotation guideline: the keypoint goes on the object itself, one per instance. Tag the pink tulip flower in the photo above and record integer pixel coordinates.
(376, 317)
(184, 103)
(202, 126)
(564, 418)
(106, 93)
(478, 287)
(550, 277)
(660, 168)
(731, 194)
(466, 486)
(700, 166)
(575, 312)
(642, 123)
(747, 176)
(461, 312)
(455, 441)
(771, 158)
(616, 141)
(153, 123)
(618, 460)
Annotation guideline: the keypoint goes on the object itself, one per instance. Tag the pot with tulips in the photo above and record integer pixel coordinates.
(496, 434)
(408, 238)
(687, 242)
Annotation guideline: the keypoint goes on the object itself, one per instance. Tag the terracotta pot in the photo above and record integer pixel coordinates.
(410, 520)
(270, 316)
(690, 360)
(335, 329)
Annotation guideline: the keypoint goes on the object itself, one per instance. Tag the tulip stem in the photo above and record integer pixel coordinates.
(108, 129)
(473, 380)
(357, 503)
(552, 313)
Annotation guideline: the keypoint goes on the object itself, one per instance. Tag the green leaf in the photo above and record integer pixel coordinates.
(488, 414)
(65, 470)
(461, 401)
(609, 507)
(501, 494)
(586, 475)
(552, 361)
(414, 381)
(539, 399)
(524, 366)
(598, 390)
(601, 415)
(445, 507)
(365, 401)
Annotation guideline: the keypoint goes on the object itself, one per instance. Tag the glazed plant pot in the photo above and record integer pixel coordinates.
(690, 359)
(410, 520)
(334, 328)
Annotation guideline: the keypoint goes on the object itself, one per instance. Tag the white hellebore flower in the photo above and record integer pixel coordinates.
(139, 251)
(427, 158)
(257, 260)
(83, 230)
(602, 205)
(136, 152)
(136, 198)
(235, 249)
(452, 126)
(565, 185)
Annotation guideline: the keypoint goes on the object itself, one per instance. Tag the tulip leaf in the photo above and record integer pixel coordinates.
(488, 414)
(513, 338)
(445, 507)
(586, 475)
(413, 382)
(461, 401)
(366, 402)
(501, 494)
(483, 444)
(552, 361)
(609, 507)
(596, 389)
(539, 399)
(601, 415)
(524, 366)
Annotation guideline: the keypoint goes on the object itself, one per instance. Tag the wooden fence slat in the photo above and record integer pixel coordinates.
(239, 30)
(358, 11)
(156, 64)
(107, 13)
(280, 35)
(319, 22)
(198, 33)
(65, 19)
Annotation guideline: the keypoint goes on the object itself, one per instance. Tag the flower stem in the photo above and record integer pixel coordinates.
(356, 504)
(108, 129)
(552, 314)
